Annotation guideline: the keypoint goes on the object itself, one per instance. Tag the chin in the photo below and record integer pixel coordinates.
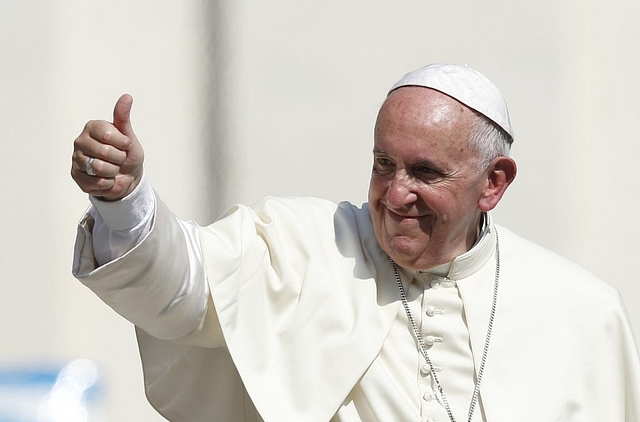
(404, 255)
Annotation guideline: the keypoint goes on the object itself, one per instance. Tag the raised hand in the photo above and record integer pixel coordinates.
(107, 157)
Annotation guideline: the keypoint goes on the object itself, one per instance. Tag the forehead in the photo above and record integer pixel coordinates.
(418, 118)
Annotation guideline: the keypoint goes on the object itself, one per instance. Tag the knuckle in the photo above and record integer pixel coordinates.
(91, 126)
(75, 156)
(79, 141)
(105, 149)
(104, 184)
(120, 157)
(107, 136)
(103, 168)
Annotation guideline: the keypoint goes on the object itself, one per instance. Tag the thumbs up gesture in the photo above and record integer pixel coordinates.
(107, 157)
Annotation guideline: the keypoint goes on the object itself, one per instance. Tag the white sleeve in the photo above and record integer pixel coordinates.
(121, 225)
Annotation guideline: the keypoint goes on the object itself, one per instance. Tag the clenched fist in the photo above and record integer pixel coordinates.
(107, 157)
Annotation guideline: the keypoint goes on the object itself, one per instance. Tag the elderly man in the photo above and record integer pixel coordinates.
(413, 307)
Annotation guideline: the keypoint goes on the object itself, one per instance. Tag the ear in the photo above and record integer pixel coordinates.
(500, 174)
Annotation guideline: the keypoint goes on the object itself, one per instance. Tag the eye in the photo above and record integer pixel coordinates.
(382, 164)
(426, 173)
(425, 170)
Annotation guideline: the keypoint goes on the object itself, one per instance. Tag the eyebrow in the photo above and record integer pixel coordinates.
(423, 162)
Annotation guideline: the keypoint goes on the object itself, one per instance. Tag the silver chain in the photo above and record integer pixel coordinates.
(423, 347)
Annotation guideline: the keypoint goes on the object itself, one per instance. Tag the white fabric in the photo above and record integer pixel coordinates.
(306, 301)
(121, 225)
(398, 361)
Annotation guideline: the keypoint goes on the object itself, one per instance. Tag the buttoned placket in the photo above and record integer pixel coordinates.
(439, 316)
(430, 407)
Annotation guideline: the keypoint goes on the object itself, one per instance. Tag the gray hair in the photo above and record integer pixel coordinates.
(489, 139)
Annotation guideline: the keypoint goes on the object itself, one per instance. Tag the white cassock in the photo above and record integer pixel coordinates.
(314, 329)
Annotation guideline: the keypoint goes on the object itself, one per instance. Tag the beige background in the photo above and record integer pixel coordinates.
(238, 100)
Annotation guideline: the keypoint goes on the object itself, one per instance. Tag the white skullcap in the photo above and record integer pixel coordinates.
(466, 85)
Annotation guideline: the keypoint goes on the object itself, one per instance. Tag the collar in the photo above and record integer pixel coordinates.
(469, 262)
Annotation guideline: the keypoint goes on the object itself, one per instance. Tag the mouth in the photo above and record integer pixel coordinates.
(403, 217)
(411, 212)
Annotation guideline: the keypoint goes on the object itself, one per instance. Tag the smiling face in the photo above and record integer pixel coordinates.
(427, 185)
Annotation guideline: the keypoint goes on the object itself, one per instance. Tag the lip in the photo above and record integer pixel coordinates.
(402, 217)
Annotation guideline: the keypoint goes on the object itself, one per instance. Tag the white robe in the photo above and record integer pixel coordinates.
(305, 298)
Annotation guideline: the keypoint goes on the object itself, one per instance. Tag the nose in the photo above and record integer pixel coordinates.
(401, 191)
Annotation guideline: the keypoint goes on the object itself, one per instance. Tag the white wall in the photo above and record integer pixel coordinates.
(302, 82)
(64, 63)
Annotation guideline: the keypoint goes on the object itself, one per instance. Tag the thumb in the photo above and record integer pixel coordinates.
(122, 114)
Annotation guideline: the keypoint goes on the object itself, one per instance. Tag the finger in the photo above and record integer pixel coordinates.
(102, 168)
(105, 188)
(95, 167)
(92, 185)
(85, 146)
(122, 115)
(106, 133)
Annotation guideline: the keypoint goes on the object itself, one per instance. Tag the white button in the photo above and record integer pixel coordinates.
(431, 310)
(431, 420)
(429, 340)
(435, 284)
(425, 370)
(428, 397)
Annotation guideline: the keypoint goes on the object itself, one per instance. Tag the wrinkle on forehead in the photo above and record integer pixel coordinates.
(432, 106)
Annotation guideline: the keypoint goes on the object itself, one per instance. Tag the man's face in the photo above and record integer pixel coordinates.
(426, 180)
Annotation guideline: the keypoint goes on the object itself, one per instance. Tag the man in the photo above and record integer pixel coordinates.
(414, 307)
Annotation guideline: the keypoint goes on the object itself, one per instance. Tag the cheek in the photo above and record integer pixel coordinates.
(434, 197)
(456, 206)
(375, 207)
(376, 190)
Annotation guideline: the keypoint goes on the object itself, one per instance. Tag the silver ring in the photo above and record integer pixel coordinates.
(89, 167)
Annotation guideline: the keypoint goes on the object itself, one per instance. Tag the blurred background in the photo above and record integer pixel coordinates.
(237, 100)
